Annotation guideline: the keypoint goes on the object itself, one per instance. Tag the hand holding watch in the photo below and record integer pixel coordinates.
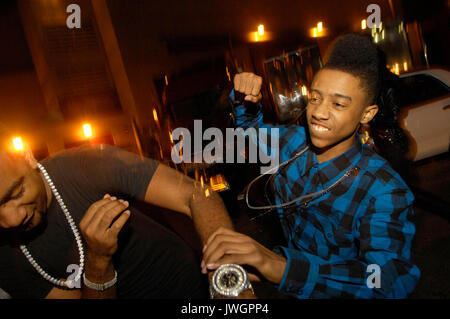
(230, 249)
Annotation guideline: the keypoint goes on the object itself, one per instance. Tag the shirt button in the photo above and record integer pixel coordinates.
(328, 235)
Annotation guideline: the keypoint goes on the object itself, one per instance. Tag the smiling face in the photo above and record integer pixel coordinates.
(338, 104)
(23, 194)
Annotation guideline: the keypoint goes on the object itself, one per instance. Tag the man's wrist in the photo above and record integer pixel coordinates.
(281, 269)
(99, 269)
(276, 269)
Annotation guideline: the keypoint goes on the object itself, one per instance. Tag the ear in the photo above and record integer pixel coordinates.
(29, 158)
(369, 113)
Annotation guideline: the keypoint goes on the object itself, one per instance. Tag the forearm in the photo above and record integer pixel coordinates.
(208, 212)
(98, 271)
(309, 276)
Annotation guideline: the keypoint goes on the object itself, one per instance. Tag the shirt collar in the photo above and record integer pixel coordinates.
(330, 170)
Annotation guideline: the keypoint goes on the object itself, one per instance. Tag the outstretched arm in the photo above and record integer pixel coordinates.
(173, 190)
(384, 235)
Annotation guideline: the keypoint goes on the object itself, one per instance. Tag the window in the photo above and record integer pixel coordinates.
(419, 88)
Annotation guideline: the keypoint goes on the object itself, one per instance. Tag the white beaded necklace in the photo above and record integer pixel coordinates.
(60, 282)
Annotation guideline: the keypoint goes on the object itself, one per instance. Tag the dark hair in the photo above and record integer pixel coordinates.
(357, 55)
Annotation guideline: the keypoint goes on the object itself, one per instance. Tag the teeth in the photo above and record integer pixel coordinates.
(320, 128)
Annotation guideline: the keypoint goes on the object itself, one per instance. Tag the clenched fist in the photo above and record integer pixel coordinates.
(250, 85)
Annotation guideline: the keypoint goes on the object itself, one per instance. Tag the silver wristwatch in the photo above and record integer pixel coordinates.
(229, 280)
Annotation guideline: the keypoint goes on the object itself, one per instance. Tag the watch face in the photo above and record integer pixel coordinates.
(229, 280)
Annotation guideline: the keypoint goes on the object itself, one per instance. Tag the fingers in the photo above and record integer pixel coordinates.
(256, 85)
(102, 213)
(237, 82)
(249, 84)
(225, 242)
(253, 278)
(239, 259)
(215, 253)
(220, 239)
(116, 227)
(248, 88)
(107, 213)
(254, 99)
(90, 213)
(220, 230)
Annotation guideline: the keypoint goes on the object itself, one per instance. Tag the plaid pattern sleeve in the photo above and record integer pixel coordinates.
(290, 138)
(384, 237)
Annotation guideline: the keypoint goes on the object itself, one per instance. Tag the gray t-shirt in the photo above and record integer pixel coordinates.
(151, 261)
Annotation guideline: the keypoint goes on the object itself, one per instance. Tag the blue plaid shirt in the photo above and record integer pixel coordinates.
(332, 239)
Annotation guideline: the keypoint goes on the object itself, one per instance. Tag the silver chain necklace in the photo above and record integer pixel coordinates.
(309, 197)
(60, 282)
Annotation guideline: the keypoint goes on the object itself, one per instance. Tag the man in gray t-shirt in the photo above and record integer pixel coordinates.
(123, 247)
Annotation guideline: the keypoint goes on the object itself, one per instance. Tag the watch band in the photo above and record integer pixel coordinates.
(100, 287)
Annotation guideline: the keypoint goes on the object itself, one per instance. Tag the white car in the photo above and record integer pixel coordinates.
(424, 99)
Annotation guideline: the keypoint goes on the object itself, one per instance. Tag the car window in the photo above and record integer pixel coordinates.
(419, 88)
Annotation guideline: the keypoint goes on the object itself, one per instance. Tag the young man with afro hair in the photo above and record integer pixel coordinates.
(343, 209)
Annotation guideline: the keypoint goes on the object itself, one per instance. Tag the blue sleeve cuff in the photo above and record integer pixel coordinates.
(232, 95)
(241, 109)
(300, 274)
